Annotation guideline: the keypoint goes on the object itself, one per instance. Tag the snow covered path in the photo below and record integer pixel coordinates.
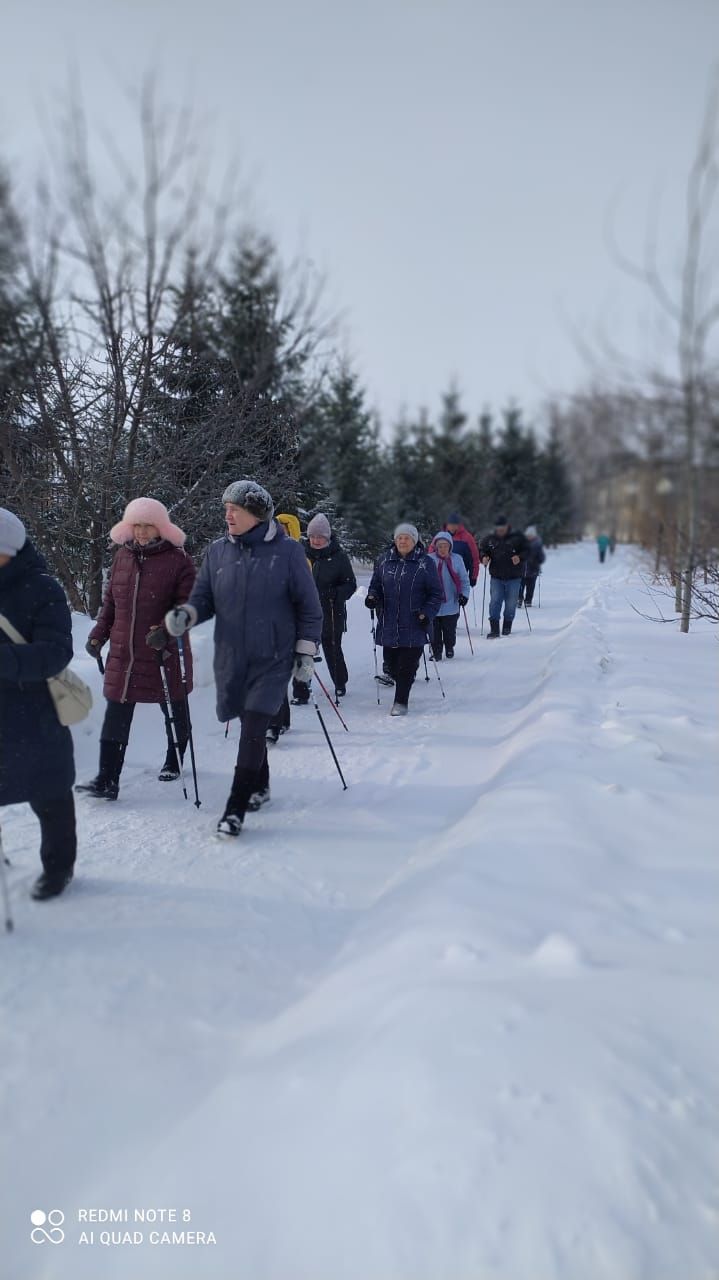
(453, 1024)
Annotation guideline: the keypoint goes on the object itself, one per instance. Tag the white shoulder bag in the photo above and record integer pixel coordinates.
(71, 696)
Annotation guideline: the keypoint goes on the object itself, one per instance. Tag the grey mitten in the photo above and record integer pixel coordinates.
(304, 668)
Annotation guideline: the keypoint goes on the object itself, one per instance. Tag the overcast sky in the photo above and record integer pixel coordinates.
(448, 163)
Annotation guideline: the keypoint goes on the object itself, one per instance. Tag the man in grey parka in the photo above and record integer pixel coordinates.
(254, 581)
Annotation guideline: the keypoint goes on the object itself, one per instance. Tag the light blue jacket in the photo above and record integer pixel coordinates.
(450, 603)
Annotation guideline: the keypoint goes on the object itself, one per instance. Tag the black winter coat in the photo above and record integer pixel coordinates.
(535, 557)
(334, 579)
(36, 753)
(501, 551)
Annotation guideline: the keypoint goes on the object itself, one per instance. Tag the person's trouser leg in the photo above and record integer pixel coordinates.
(437, 637)
(511, 595)
(496, 598)
(529, 585)
(449, 629)
(334, 657)
(406, 664)
(389, 662)
(181, 730)
(282, 719)
(58, 838)
(117, 722)
(252, 772)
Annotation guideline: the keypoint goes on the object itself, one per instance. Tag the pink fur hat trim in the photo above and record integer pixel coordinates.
(146, 511)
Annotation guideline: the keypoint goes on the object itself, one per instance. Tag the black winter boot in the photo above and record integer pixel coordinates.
(50, 885)
(106, 786)
(244, 784)
(493, 632)
(507, 627)
(170, 770)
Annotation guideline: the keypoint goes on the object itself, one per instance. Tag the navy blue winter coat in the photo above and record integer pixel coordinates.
(259, 589)
(404, 587)
(36, 754)
(535, 557)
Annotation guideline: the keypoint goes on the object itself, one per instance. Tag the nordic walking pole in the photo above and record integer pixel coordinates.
(426, 672)
(327, 736)
(9, 923)
(436, 669)
(526, 610)
(333, 705)
(171, 720)
(471, 646)
(374, 646)
(183, 676)
(539, 589)
(484, 592)
(334, 653)
(474, 603)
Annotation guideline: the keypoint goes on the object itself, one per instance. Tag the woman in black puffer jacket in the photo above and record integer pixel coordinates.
(336, 584)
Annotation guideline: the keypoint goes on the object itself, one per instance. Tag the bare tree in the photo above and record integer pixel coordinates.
(124, 390)
(693, 310)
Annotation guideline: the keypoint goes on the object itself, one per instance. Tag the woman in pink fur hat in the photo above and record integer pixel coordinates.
(151, 573)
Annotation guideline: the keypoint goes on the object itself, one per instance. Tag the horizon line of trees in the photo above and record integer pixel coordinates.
(151, 343)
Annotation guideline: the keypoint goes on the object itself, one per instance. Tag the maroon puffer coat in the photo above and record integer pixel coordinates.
(144, 583)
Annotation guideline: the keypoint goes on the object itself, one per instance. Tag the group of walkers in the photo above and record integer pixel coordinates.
(276, 601)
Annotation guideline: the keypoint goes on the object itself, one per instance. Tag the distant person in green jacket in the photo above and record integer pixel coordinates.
(602, 544)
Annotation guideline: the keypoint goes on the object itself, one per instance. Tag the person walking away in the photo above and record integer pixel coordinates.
(336, 584)
(37, 764)
(532, 566)
(268, 621)
(454, 585)
(405, 594)
(463, 545)
(505, 552)
(150, 574)
(602, 544)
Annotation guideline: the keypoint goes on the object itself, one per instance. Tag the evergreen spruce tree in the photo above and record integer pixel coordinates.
(554, 503)
(515, 469)
(413, 465)
(345, 459)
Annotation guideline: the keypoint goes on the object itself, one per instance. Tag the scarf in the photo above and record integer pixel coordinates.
(441, 562)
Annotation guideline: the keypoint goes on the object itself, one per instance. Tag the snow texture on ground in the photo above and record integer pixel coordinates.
(455, 1023)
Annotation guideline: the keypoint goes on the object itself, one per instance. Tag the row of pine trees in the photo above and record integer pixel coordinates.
(163, 372)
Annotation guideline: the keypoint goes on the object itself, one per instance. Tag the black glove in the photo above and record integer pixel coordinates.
(93, 647)
(370, 602)
(157, 638)
(462, 601)
(473, 583)
(330, 594)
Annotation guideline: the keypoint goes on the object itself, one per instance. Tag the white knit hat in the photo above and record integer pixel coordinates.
(409, 529)
(12, 533)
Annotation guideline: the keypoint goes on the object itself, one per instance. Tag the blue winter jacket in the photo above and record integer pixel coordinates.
(404, 587)
(260, 591)
(36, 753)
